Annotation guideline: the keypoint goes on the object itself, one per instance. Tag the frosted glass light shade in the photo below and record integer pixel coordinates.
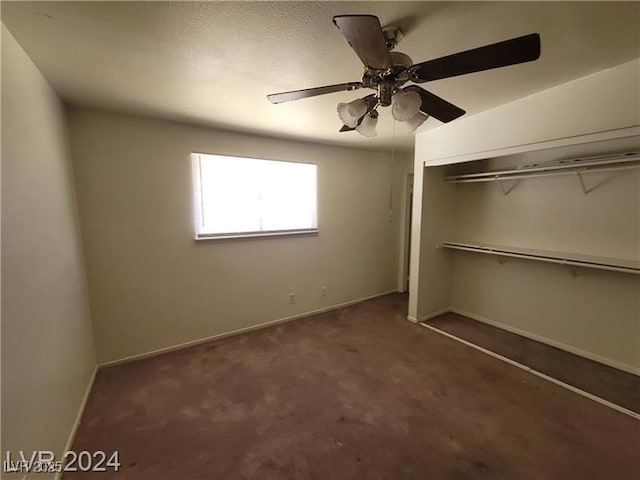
(417, 120)
(405, 105)
(368, 126)
(351, 112)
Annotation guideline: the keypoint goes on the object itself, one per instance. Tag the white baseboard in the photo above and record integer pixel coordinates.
(218, 336)
(437, 313)
(76, 424)
(562, 346)
(426, 317)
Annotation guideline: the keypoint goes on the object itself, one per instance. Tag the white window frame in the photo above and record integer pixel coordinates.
(198, 205)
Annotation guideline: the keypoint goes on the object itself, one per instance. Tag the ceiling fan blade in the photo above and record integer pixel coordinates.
(312, 92)
(364, 34)
(501, 54)
(435, 106)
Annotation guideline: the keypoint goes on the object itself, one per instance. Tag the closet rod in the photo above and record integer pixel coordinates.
(550, 257)
(585, 165)
(575, 170)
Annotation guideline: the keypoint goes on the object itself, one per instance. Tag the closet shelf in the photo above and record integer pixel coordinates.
(564, 167)
(563, 258)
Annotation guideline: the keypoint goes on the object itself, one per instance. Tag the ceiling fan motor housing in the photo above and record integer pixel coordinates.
(401, 59)
(386, 89)
(392, 36)
(386, 82)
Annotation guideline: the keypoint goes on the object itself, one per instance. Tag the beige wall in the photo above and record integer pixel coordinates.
(602, 102)
(437, 206)
(48, 355)
(152, 286)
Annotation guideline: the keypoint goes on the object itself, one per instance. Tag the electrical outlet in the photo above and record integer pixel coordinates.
(323, 291)
(292, 298)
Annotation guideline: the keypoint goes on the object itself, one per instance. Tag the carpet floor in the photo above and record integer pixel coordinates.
(606, 382)
(356, 393)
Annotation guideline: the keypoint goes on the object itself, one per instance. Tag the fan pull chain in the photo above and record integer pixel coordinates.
(393, 162)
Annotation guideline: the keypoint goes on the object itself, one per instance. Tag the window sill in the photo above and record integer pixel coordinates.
(249, 235)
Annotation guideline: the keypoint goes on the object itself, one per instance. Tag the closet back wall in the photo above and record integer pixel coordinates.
(152, 286)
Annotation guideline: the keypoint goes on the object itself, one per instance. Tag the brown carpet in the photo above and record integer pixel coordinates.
(358, 393)
(614, 385)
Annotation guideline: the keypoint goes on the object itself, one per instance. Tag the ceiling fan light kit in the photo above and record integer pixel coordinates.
(406, 105)
(415, 122)
(367, 126)
(387, 71)
(350, 113)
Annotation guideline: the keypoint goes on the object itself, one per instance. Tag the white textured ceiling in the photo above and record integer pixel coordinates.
(213, 63)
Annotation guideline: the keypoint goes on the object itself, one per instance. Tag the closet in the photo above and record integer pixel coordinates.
(545, 244)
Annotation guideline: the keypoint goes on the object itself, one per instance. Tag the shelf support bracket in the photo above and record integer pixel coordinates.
(505, 190)
(584, 187)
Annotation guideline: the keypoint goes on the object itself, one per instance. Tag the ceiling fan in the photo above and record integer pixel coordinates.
(387, 71)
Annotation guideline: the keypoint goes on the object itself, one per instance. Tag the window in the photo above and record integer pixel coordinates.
(244, 197)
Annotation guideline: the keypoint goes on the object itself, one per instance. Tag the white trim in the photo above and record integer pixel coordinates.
(76, 424)
(528, 147)
(437, 313)
(428, 316)
(553, 343)
(269, 234)
(218, 336)
(537, 373)
(415, 253)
